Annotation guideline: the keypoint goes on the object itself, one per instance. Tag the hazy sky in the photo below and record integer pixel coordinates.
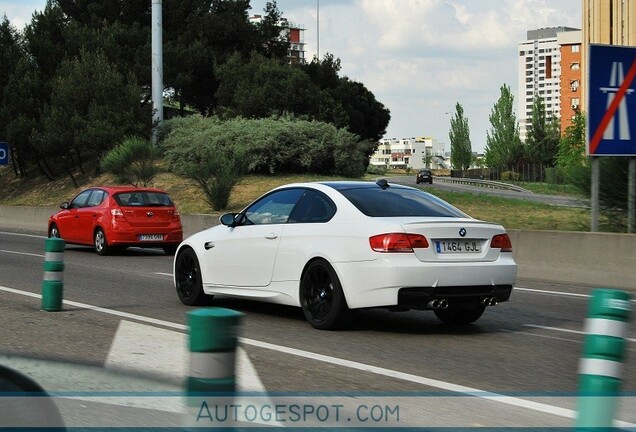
(418, 57)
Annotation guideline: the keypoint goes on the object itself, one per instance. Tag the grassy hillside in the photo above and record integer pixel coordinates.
(512, 213)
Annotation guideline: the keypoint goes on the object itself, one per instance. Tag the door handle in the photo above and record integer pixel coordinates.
(208, 245)
(271, 236)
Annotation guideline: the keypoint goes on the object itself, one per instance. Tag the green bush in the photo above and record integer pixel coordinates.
(132, 161)
(510, 176)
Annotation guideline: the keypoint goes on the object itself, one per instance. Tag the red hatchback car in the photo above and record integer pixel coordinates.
(117, 217)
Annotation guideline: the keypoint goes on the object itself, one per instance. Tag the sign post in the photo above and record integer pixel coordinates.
(611, 109)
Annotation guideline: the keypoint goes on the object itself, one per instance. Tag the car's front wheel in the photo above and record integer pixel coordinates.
(322, 298)
(188, 280)
(460, 316)
(54, 231)
(101, 243)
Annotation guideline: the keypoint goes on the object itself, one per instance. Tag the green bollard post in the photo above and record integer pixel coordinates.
(212, 343)
(53, 285)
(600, 368)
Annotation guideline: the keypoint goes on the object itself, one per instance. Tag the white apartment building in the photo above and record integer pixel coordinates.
(411, 153)
(539, 73)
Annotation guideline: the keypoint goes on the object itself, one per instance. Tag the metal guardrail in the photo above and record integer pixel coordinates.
(483, 183)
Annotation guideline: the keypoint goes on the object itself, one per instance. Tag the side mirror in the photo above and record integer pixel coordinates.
(228, 219)
(64, 205)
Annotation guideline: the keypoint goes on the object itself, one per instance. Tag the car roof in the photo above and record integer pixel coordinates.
(117, 189)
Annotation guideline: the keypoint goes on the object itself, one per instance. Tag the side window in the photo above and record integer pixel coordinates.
(80, 200)
(96, 198)
(273, 208)
(313, 207)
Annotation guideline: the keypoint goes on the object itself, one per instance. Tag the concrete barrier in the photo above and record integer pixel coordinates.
(595, 259)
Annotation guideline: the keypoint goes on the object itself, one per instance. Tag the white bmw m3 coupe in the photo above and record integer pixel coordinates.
(333, 247)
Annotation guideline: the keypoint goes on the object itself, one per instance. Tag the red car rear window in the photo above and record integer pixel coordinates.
(143, 199)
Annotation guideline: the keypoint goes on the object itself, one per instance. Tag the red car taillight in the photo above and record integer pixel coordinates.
(117, 214)
(397, 242)
(501, 241)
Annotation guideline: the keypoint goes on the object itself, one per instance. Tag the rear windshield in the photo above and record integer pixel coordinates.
(143, 199)
(395, 202)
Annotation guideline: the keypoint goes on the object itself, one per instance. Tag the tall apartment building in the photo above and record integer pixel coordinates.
(571, 78)
(539, 73)
(609, 22)
(296, 35)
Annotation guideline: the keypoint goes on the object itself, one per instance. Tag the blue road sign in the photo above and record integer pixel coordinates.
(611, 101)
(4, 153)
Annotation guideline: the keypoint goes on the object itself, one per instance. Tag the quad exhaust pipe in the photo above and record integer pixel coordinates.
(489, 301)
(438, 304)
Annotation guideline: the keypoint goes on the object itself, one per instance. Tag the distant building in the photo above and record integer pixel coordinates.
(296, 35)
(571, 78)
(607, 22)
(416, 153)
(539, 73)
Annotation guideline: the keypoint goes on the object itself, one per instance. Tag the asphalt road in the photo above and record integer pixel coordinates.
(559, 200)
(528, 347)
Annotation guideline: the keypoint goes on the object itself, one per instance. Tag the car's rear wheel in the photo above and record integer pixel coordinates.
(188, 280)
(101, 243)
(322, 299)
(460, 316)
(54, 231)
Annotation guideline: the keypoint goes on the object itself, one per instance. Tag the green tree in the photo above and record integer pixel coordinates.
(503, 144)
(459, 135)
(572, 144)
(132, 161)
(542, 141)
(92, 108)
(264, 87)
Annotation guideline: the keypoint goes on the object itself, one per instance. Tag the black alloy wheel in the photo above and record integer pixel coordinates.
(188, 279)
(322, 299)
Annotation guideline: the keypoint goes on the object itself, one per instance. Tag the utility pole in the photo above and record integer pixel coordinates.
(157, 68)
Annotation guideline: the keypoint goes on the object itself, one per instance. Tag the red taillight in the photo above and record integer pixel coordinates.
(501, 241)
(397, 242)
(117, 214)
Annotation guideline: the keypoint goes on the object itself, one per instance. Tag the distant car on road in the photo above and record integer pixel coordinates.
(336, 246)
(424, 175)
(112, 217)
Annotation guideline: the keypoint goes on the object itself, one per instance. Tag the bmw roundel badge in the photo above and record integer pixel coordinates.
(462, 232)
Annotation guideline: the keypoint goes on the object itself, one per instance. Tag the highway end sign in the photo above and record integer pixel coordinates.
(611, 101)
(4, 153)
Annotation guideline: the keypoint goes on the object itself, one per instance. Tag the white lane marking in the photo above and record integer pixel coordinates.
(23, 235)
(564, 330)
(557, 293)
(163, 274)
(546, 292)
(541, 336)
(455, 388)
(143, 348)
(22, 253)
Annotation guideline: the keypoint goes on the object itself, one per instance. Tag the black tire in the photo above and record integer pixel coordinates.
(322, 299)
(460, 316)
(188, 279)
(169, 250)
(54, 231)
(101, 243)
(430, 181)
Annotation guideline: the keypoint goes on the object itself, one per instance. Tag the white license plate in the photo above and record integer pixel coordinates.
(457, 246)
(151, 237)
